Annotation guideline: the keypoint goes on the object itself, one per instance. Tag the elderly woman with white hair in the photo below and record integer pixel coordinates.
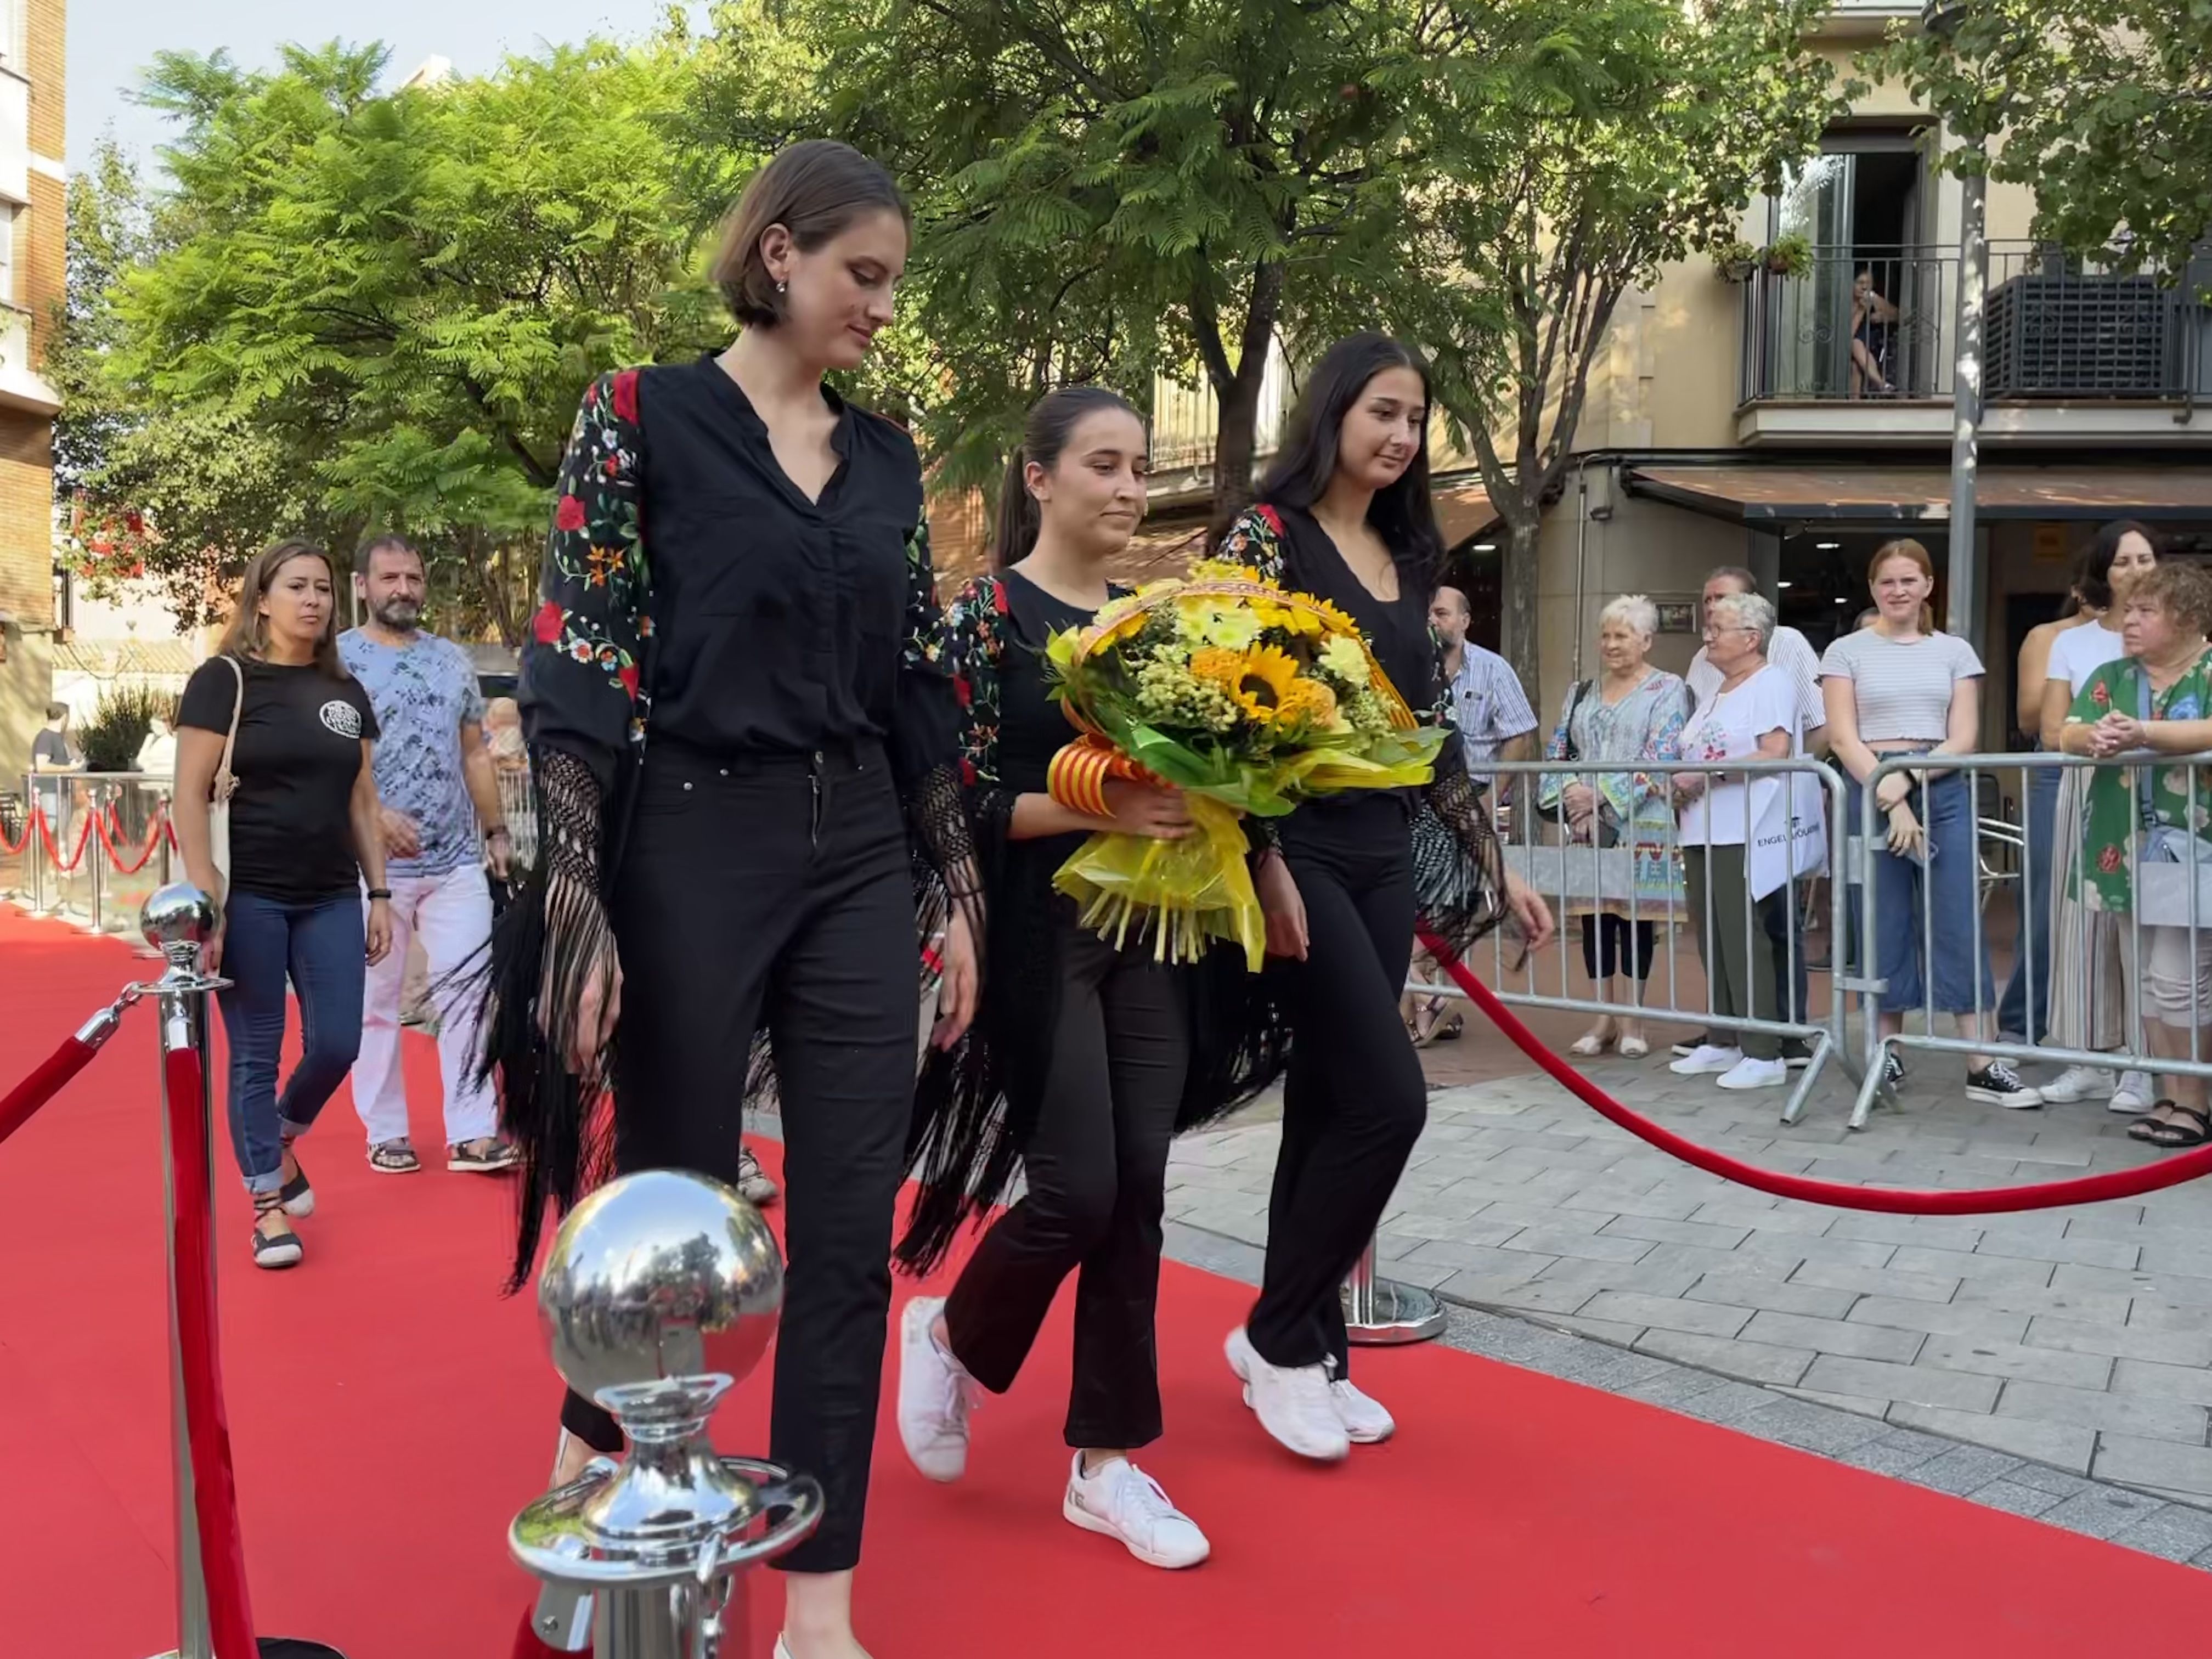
(1630, 713)
(1752, 715)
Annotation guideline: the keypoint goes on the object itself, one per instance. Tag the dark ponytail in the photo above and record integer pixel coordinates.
(1045, 432)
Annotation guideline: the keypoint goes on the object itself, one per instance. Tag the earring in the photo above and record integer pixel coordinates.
(781, 286)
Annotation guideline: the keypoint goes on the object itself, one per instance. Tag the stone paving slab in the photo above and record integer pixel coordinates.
(2077, 1338)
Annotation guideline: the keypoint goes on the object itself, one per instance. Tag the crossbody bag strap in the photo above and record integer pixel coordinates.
(225, 780)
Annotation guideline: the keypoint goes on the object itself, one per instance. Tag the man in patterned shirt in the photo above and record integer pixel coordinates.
(435, 778)
(1793, 654)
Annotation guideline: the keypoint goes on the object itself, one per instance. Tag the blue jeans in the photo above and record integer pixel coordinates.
(1934, 902)
(2025, 1007)
(320, 949)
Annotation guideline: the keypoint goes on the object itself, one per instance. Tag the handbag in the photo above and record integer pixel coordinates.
(1605, 828)
(224, 786)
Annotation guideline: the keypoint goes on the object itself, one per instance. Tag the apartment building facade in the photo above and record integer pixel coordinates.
(1793, 422)
(33, 197)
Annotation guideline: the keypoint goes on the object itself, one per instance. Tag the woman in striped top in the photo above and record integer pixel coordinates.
(1900, 688)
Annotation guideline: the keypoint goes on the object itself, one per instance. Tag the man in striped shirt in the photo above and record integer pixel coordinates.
(1793, 654)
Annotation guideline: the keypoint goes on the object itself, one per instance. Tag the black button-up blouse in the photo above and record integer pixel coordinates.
(691, 586)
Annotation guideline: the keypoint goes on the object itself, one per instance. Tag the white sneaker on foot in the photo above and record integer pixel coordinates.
(1711, 1058)
(935, 1395)
(2079, 1083)
(1749, 1073)
(1293, 1402)
(2136, 1094)
(1120, 1500)
(1366, 1422)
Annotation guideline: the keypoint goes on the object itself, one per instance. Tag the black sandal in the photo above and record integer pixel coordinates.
(2176, 1136)
(280, 1249)
(2142, 1127)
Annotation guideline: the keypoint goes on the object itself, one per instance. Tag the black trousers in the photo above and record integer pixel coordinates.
(776, 891)
(1614, 944)
(1354, 1100)
(1096, 1168)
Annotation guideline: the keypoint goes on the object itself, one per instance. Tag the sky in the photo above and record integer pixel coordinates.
(110, 41)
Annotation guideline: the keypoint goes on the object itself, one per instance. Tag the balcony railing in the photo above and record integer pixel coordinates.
(2053, 328)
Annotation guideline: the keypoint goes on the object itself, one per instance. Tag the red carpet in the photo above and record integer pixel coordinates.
(391, 1413)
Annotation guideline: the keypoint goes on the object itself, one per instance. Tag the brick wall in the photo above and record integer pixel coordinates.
(49, 38)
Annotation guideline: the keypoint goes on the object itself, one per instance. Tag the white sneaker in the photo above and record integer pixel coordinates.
(935, 1395)
(755, 1185)
(2137, 1093)
(1121, 1501)
(1711, 1057)
(1366, 1422)
(1749, 1073)
(2079, 1083)
(1293, 1402)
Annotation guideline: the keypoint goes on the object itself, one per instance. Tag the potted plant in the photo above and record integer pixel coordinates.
(1735, 261)
(1789, 255)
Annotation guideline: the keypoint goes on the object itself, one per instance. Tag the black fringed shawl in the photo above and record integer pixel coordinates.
(586, 693)
(977, 1105)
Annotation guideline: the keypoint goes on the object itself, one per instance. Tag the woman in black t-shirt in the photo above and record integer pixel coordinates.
(1345, 514)
(303, 834)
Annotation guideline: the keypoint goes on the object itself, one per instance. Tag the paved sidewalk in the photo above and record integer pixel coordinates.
(2080, 1339)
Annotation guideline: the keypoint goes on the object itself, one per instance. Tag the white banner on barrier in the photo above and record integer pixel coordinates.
(1786, 819)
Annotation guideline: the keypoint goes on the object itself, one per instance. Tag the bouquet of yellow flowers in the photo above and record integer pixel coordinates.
(1247, 697)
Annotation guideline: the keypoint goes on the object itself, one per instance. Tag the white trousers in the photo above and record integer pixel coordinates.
(452, 916)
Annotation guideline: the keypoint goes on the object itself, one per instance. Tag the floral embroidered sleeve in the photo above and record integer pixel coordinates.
(926, 745)
(580, 692)
(976, 626)
(1256, 538)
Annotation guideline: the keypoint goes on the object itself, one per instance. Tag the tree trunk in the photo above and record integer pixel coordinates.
(1234, 439)
(1524, 527)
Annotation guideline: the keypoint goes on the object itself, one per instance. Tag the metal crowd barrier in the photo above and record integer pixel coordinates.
(88, 847)
(1576, 876)
(2181, 900)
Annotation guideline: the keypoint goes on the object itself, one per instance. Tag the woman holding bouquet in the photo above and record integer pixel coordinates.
(738, 706)
(1345, 514)
(1086, 1057)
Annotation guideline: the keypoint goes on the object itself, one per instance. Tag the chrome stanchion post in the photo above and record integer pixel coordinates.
(1380, 1312)
(660, 1295)
(177, 921)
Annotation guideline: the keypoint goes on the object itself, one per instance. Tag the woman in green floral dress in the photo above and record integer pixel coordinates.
(2158, 698)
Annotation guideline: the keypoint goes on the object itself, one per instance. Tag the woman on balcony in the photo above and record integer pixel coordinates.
(1630, 713)
(2143, 849)
(1900, 688)
(1874, 319)
(2088, 990)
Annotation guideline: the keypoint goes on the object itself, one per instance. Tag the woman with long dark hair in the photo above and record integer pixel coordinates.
(1344, 513)
(1087, 1057)
(273, 725)
(739, 706)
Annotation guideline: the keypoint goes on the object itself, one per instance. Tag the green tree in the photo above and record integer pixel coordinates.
(2103, 106)
(381, 309)
(1626, 135)
(1104, 190)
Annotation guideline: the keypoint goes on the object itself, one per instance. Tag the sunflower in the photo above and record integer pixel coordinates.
(1308, 700)
(1264, 679)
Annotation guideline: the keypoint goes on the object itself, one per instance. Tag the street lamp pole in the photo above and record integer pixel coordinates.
(1962, 606)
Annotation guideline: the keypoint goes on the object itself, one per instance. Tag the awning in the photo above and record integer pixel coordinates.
(1463, 509)
(1907, 494)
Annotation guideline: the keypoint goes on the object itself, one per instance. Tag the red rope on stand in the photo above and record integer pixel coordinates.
(1988, 1200)
(215, 1492)
(54, 853)
(43, 1085)
(10, 850)
(107, 840)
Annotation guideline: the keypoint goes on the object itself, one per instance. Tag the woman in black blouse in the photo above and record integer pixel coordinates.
(1345, 514)
(738, 706)
(1086, 1057)
(304, 840)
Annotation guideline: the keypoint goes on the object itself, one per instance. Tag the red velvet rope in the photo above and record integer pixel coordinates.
(1988, 1200)
(43, 1085)
(54, 853)
(153, 833)
(10, 848)
(215, 1492)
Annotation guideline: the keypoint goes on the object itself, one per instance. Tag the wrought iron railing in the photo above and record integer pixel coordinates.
(1873, 323)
